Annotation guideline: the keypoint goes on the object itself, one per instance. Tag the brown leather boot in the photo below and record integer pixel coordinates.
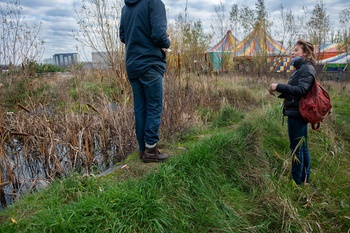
(152, 155)
(141, 154)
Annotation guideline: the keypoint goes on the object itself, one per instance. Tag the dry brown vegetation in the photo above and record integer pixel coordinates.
(82, 121)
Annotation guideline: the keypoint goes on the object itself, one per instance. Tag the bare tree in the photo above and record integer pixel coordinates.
(234, 19)
(188, 39)
(344, 17)
(319, 24)
(289, 28)
(99, 30)
(262, 15)
(221, 21)
(20, 41)
(247, 19)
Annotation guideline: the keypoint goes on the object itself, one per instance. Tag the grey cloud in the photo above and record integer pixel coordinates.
(58, 16)
(61, 12)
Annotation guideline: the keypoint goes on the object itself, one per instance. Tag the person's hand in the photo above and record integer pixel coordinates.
(272, 88)
(168, 49)
(169, 38)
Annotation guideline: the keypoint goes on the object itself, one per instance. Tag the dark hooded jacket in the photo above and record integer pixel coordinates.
(143, 30)
(298, 85)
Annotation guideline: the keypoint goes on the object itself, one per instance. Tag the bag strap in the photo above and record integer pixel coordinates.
(315, 81)
(315, 126)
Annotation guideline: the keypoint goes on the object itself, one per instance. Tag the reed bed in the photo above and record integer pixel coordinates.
(82, 121)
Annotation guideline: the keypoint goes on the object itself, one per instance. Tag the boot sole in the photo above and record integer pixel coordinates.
(153, 160)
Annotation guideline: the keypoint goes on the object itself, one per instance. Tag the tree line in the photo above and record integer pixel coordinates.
(98, 22)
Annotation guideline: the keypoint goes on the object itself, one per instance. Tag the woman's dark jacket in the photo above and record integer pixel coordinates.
(298, 85)
(143, 29)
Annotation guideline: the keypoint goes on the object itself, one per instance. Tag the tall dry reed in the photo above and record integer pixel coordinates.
(40, 140)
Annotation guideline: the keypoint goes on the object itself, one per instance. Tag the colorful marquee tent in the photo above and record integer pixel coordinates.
(328, 51)
(337, 63)
(331, 56)
(258, 42)
(221, 52)
(280, 64)
(333, 60)
(226, 44)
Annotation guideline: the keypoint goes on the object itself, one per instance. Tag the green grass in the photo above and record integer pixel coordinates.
(233, 178)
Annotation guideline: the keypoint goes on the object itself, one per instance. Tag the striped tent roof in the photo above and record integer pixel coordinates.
(339, 59)
(329, 50)
(330, 47)
(258, 42)
(226, 44)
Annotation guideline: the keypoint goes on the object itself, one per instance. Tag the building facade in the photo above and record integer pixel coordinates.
(65, 60)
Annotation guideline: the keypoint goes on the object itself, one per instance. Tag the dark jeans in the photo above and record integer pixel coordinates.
(148, 106)
(297, 131)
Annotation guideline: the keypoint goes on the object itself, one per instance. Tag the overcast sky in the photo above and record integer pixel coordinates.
(58, 17)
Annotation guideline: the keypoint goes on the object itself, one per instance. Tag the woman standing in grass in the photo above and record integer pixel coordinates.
(299, 84)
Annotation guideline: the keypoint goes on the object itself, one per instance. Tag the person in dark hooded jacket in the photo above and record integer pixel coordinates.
(298, 85)
(143, 30)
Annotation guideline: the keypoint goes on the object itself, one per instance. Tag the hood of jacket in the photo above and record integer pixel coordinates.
(131, 2)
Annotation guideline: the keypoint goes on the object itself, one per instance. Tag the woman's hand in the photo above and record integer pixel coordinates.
(272, 88)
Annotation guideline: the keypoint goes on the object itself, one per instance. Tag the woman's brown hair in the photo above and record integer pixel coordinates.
(309, 49)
